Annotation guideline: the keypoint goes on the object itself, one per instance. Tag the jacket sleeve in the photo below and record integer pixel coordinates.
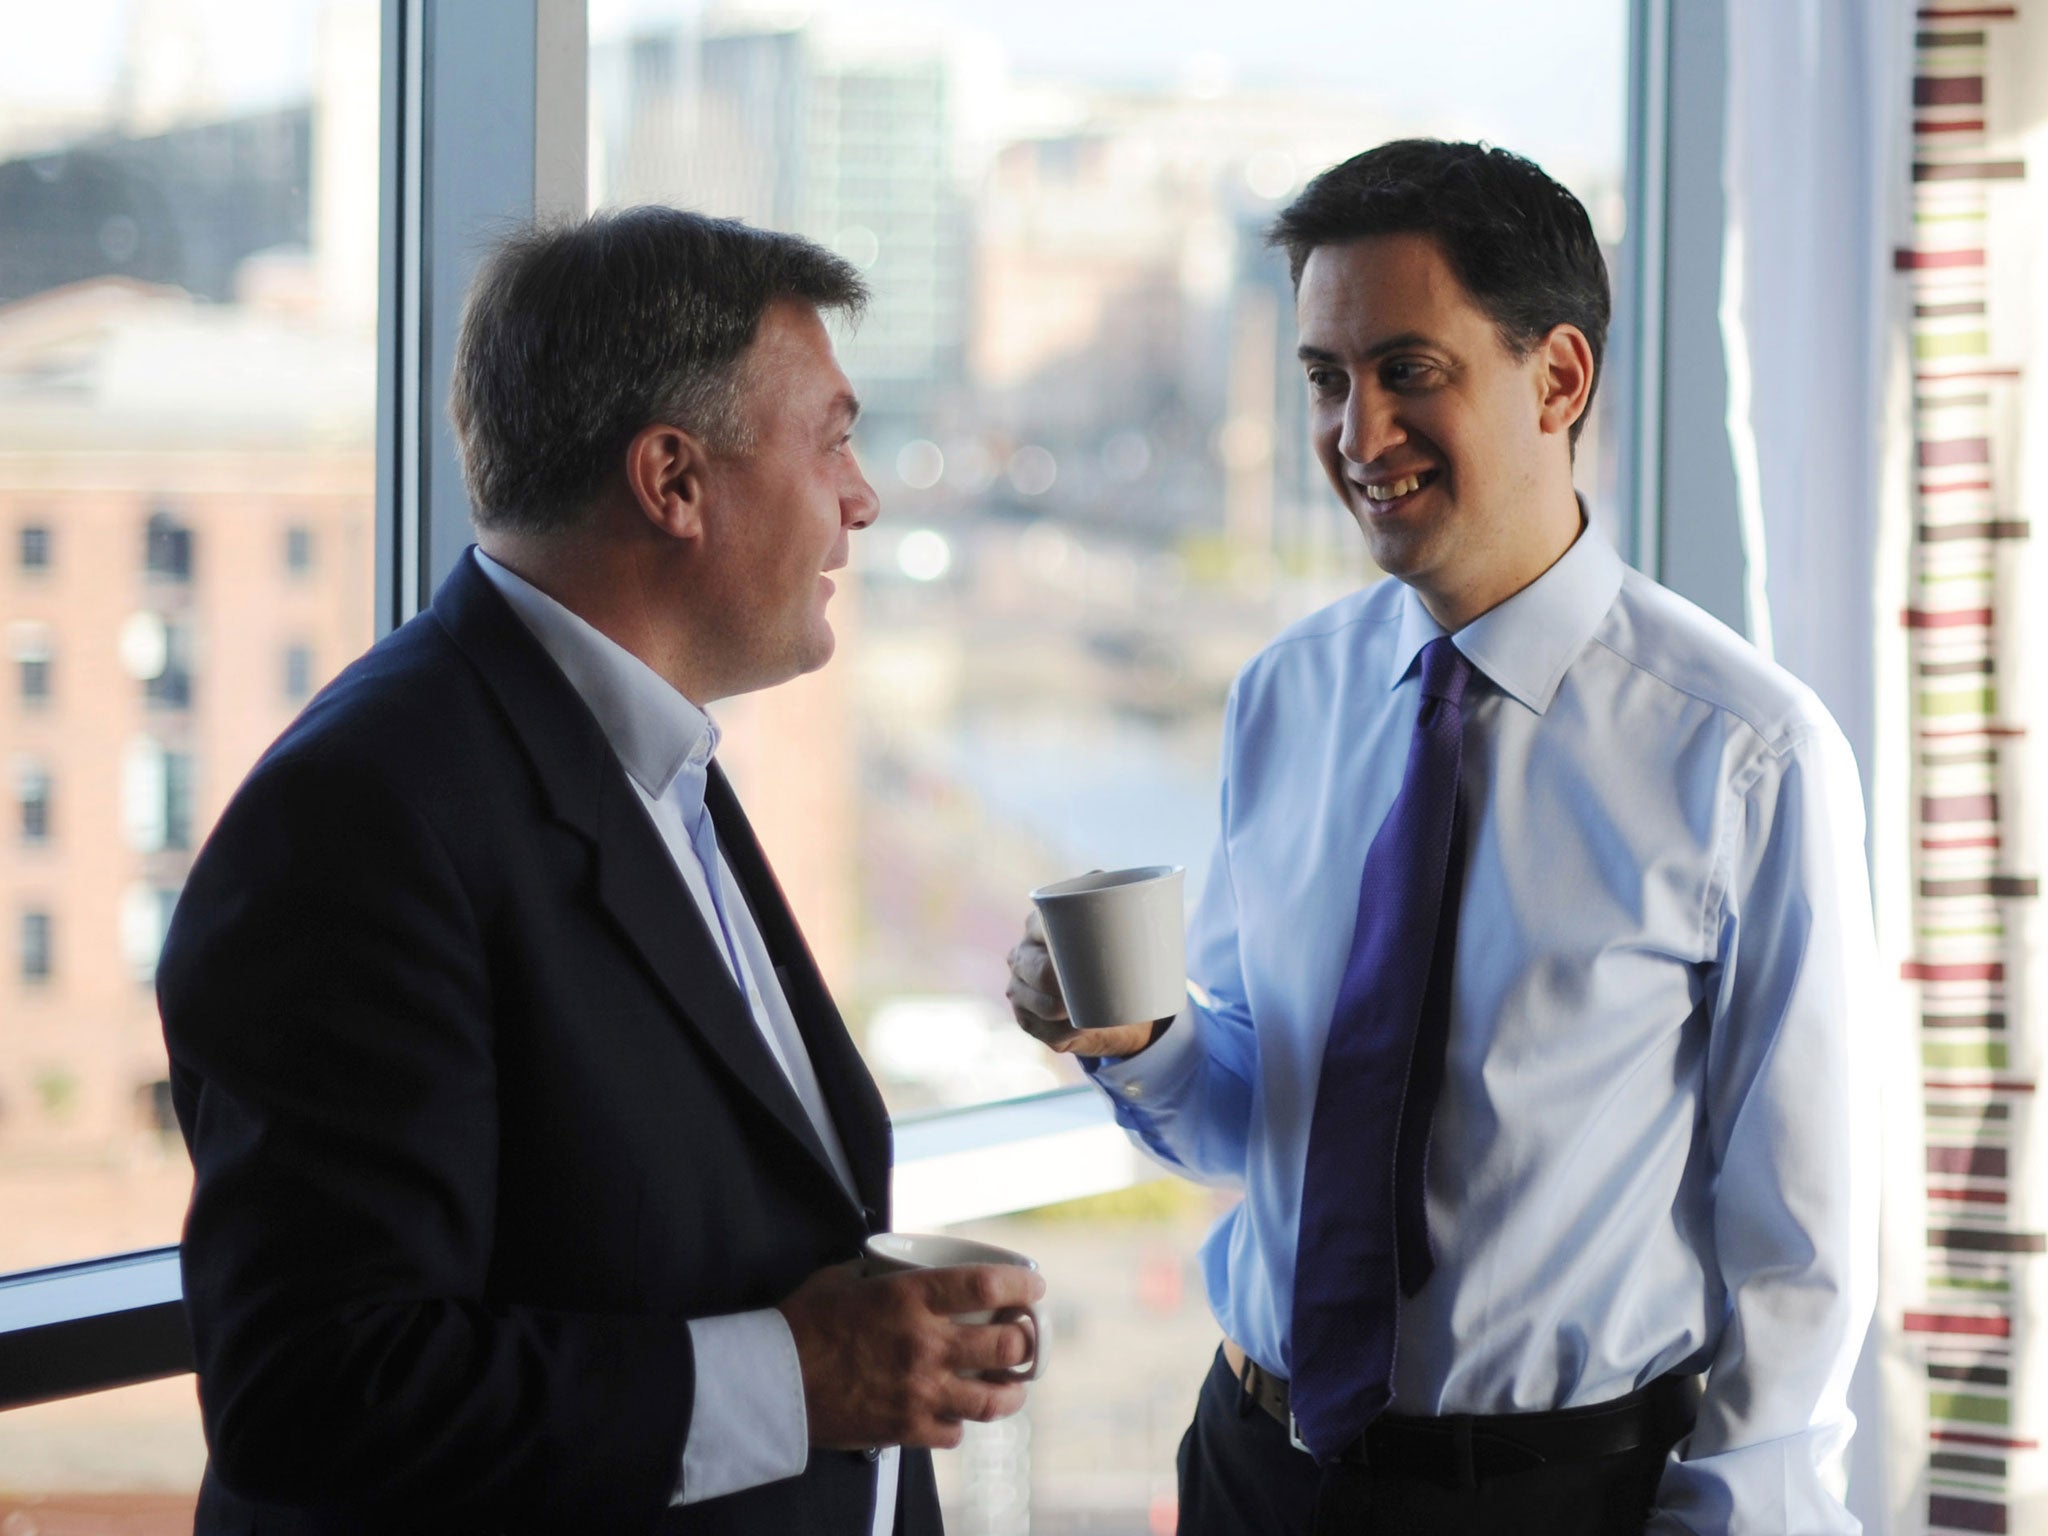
(327, 1004)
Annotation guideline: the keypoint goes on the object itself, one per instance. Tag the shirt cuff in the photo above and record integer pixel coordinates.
(747, 1420)
(1157, 1072)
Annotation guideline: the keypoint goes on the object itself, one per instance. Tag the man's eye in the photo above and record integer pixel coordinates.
(1325, 381)
(1404, 374)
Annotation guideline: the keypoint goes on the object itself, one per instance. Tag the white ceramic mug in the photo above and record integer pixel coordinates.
(895, 1252)
(1119, 945)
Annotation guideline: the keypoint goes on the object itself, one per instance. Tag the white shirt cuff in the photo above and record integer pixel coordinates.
(1158, 1071)
(747, 1420)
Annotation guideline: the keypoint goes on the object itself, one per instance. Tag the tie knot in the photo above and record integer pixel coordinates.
(1444, 670)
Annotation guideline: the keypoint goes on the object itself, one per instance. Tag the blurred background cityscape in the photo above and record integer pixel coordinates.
(1083, 417)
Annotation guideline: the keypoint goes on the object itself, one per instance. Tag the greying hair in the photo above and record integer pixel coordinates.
(574, 337)
(1519, 242)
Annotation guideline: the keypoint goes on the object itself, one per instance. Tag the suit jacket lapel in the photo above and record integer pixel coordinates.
(850, 1092)
(637, 882)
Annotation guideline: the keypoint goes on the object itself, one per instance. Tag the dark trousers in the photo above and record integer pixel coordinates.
(1240, 1476)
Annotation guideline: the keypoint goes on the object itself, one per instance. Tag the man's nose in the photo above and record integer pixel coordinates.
(858, 504)
(1370, 428)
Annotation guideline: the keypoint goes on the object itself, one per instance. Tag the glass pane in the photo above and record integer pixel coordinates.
(1130, 1339)
(1084, 418)
(1087, 427)
(187, 379)
(125, 1462)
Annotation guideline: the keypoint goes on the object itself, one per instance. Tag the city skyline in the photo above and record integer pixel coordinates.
(260, 52)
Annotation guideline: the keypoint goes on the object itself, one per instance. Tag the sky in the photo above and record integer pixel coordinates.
(259, 51)
(1547, 79)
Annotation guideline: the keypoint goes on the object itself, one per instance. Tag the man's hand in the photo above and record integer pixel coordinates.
(881, 1355)
(1034, 994)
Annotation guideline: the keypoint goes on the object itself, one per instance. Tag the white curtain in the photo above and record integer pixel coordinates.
(1880, 284)
(1815, 156)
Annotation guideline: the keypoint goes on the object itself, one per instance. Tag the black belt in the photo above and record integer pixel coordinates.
(1462, 1450)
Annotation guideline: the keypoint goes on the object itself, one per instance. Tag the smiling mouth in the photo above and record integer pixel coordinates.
(1386, 495)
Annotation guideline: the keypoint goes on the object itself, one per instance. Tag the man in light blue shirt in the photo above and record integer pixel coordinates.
(1651, 1152)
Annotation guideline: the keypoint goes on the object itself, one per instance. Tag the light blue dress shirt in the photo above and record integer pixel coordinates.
(1655, 1146)
(748, 1424)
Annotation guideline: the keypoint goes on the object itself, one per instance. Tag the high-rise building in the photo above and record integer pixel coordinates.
(851, 135)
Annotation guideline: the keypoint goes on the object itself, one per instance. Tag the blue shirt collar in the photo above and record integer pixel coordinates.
(1526, 644)
(656, 733)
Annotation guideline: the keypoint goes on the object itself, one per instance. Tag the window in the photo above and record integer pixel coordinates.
(189, 216)
(177, 801)
(30, 643)
(169, 686)
(35, 547)
(35, 680)
(156, 793)
(35, 947)
(298, 673)
(167, 547)
(1087, 428)
(32, 786)
(922, 167)
(298, 550)
(145, 919)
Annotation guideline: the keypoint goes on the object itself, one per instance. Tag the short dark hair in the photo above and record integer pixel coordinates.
(576, 336)
(1519, 242)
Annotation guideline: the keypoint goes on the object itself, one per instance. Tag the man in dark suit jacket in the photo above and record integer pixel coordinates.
(532, 1155)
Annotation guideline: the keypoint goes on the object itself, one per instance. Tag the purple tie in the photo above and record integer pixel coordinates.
(1364, 1238)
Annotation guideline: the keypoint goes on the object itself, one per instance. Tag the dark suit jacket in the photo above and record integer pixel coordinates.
(479, 1120)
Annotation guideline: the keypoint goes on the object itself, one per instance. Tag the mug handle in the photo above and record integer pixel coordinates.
(1035, 1366)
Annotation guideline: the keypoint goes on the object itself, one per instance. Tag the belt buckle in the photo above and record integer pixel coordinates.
(1294, 1434)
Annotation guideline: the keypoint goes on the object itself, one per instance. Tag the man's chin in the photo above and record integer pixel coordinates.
(820, 648)
(1396, 555)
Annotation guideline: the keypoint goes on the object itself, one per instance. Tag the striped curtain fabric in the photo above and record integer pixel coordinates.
(1967, 1376)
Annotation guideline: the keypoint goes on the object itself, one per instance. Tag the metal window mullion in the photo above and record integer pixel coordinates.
(401, 192)
(479, 137)
(1648, 184)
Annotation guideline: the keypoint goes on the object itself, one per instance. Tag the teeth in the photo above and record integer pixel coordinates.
(1393, 489)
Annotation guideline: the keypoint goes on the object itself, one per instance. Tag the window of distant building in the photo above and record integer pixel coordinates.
(177, 799)
(156, 796)
(298, 673)
(30, 644)
(145, 919)
(298, 550)
(32, 788)
(35, 547)
(35, 946)
(170, 687)
(167, 547)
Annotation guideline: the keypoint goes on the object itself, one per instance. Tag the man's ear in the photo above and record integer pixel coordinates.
(668, 475)
(1565, 377)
